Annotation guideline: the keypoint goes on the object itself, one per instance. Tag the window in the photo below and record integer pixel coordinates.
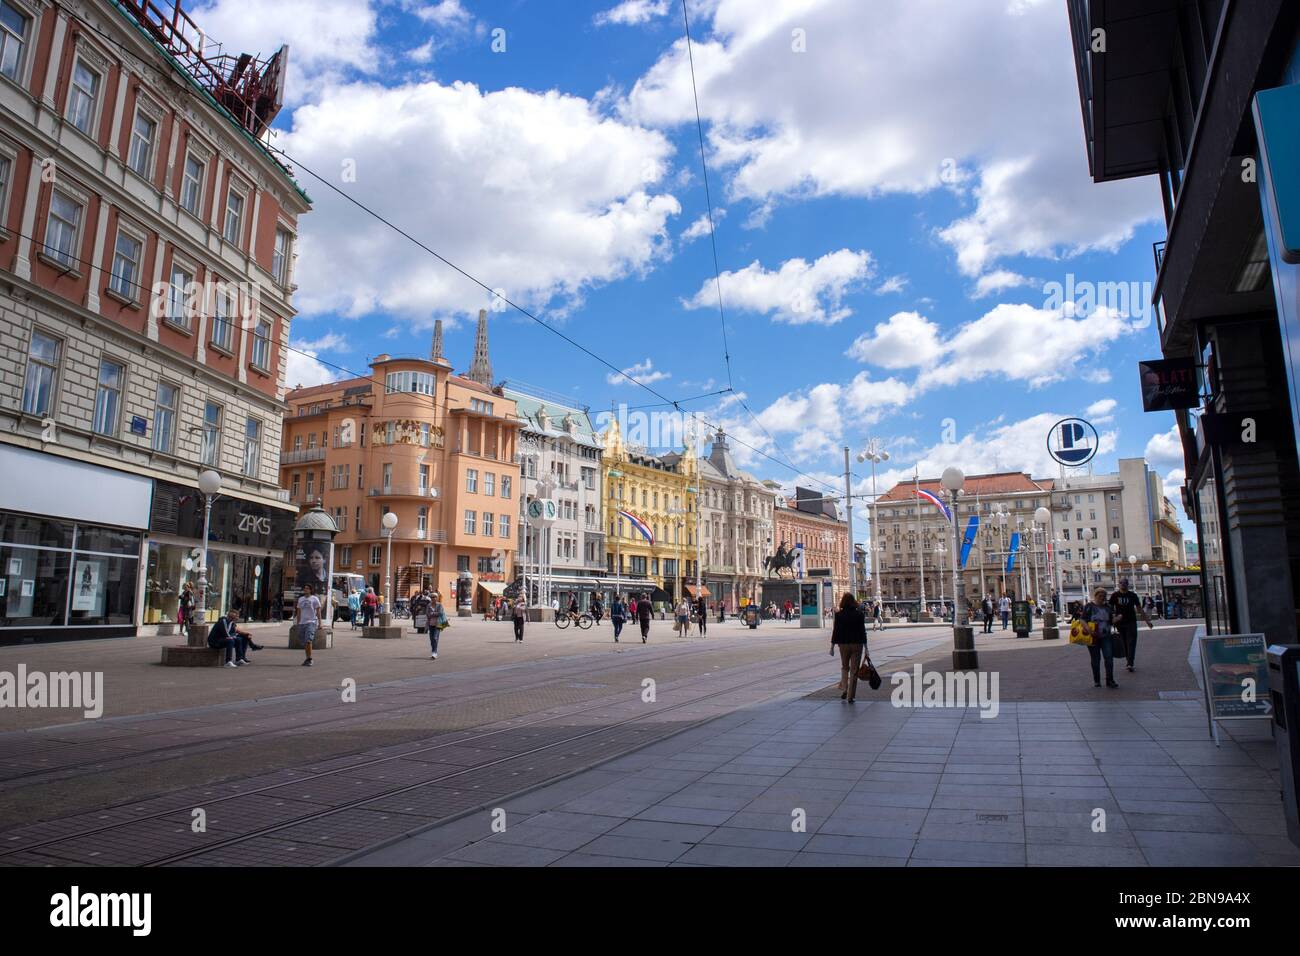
(428, 556)
(108, 396)
(471, 480)
(462, 562)
(181, 282)
(487, 523)
(42, 363)
(345, 556)
(143, 133)
(82, 97)
(388, 477)
(234, 227)
(424, 479)
(422, 520)
(192, 186)
(376, 554)
(1114, 532)
(62, 228)
(504, 521)
(421, 383)
(280, 257)
(262, 346)
(252, 447)
(13, 37)
(223, 330)
(6, 171)
(489, 483)
(505, 486)
(293, 493)
(471, 520)
(164, 416)
(1066, 533)
(311, 485)
(210, 452)
(126, 265)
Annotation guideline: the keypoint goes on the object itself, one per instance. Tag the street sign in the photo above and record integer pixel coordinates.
(1235, 672)
(1168, 384)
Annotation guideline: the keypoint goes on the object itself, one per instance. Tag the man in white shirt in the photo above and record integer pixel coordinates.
(307, 616)
(1004, 609)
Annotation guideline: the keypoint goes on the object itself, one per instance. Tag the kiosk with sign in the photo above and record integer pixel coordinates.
(1185, 590)
(313, 538)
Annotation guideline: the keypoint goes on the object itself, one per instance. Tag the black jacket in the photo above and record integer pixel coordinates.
(643, 610)
(850, 627)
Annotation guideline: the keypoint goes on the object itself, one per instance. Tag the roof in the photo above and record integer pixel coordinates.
(530, 409)
(1001, 483)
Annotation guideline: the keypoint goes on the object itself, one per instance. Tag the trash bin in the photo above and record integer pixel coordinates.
(1284, 692)
(751, 616)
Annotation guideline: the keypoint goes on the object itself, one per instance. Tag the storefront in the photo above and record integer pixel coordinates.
(247, 542)
(1183, 596)
(70, 546)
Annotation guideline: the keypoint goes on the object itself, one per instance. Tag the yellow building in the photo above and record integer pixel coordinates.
(659, 493)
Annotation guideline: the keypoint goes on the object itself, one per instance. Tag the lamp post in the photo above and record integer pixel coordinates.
(876, 454)
(1086, 534)
(963, 635)
(1114, 553)
(1042, 523)
(389, 521)
(1146, 578)
(209, 485)
(618, 533)
(1002, 517)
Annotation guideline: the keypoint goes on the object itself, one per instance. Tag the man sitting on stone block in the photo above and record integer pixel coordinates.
(225, 634)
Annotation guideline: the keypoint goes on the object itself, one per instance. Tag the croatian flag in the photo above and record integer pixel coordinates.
(639, 525)
(936, 501)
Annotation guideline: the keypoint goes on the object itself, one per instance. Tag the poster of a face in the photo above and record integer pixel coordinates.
(86, 588)
(313, 565)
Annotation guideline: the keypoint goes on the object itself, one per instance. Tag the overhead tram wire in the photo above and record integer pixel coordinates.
(72, 14)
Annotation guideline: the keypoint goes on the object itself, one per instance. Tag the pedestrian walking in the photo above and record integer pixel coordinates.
(877, 616)
(354, 607)
(702, 616)
(420, 607)
(437, 624)
(618, 615)
(986, 612)
(1124, 611)
(1004, 610)
(185, 608)
(307, 615)
(369, 607)
(518, 616)
(1097, 612)
(643, 610)
(597, 610)
(849, 633)
(683, 618)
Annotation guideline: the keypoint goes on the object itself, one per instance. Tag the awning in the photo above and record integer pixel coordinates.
(698, 592)
(494, 588)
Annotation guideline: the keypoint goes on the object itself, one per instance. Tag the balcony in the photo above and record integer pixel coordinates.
(403, 491)
(302, 456)
(431, 536)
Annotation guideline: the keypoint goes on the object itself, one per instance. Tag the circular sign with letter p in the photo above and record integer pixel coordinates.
(1073, 442)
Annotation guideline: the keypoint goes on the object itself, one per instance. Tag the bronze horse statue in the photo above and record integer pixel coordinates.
(783, 560)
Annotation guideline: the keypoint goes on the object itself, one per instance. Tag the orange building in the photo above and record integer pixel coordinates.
(437, 449)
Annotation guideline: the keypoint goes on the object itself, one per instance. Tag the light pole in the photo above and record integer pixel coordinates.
(209, 485)
(389, 521)
(1086, 533)
(964, 656)
(1146, 578)
(874, 453)
(618, 533)
(940, 549)
(1002, 518)
(1114, 553)
(1043, 520)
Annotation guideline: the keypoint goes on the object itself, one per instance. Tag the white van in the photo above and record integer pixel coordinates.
(341, 583)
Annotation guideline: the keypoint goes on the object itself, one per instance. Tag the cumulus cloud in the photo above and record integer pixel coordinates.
(1165, 450)
(700, 227)
(998, 281)
(303, 368)
(1101, 411)
(780, 127)
(892, 284)
(904, 340)
(632, 12)
(643, 373)
(537, 194)
(796, 292)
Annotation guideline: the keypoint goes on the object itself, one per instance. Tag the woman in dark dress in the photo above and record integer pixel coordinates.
(850, 633)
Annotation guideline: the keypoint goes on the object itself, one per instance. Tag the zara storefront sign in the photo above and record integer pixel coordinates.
(1073, 442)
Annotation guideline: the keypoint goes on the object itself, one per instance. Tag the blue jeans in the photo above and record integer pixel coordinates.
(434, 632)
(1005, 615)
(233, 645)
(1102, 647)
(618, 626)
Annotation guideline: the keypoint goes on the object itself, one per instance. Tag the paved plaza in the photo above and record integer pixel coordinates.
(554, 753)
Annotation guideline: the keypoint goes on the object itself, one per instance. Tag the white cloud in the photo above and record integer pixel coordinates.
(700, 227)
(1101, 411)
(781, 127)
(535, 193)
(997, 281)
(329, 342)
(303, 369)
(448, 14)
(892, 284)
(642, 372)
(1165, 450)
(796, 292)
(632, 12)
(904, 340)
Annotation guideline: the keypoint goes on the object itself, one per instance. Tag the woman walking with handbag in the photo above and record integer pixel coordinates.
(849, 631)
(1096, 617)
(520, 612)
(437, 623)
(618, 615)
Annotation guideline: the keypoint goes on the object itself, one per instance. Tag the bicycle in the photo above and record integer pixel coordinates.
(583, 621)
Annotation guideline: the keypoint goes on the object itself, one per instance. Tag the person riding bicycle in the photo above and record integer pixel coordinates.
(573, 607)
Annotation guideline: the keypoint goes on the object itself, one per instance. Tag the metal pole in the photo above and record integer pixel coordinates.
(877, 546)
(920, 539)
(848, 511)
(959, 618)
(388, 570)
(202, 602)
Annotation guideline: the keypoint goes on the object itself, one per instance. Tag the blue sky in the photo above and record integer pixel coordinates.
(895, 184)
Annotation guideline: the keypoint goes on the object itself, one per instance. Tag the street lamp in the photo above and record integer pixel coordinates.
(1114, 553)
(209, 485)
(389, 521)
(963, 636)
(876, 454)
(1086, 534)
(1042, 524)
(1146, 577)
(1002, 518)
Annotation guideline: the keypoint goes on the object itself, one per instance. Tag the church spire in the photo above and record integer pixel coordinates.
(435, 353)
(480, 369)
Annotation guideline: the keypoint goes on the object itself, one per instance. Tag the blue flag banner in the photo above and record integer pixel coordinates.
(1015, 546)
(968, 539)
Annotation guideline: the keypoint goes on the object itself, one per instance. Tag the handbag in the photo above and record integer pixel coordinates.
(867, 672)
(1081, 632)
(421, 621)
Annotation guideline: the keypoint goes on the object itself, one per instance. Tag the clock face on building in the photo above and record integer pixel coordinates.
(542, 510)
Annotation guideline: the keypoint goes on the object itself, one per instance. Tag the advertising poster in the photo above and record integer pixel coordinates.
(87, 588)
(1236, 676)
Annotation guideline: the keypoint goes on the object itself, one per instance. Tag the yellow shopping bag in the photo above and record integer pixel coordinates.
(1081, 632)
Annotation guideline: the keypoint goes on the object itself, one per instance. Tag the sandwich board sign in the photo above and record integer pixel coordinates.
(1234, 668)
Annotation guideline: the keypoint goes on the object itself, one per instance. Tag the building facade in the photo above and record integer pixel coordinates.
(436, 449)
(146, 244)
(735, 527)
(653, 550)
(1205, 98)
(559, 461)
(813, 522)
